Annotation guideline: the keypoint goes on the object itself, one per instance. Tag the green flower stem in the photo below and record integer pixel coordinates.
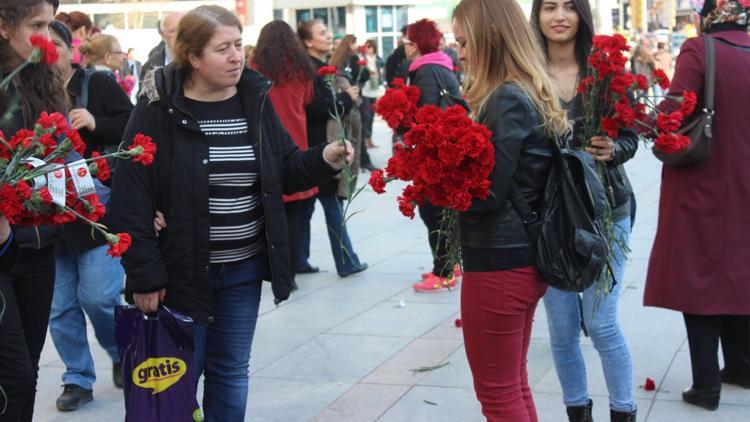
(6, 82)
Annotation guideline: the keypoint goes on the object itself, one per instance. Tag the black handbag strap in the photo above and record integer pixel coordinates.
(710, 74)
(445, 94)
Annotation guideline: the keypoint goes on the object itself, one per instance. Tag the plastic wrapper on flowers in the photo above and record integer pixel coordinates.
(398, 106)
(39, 185)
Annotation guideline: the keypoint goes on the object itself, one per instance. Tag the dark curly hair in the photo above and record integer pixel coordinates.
(280, 55)
(425, 35)
(39, 86)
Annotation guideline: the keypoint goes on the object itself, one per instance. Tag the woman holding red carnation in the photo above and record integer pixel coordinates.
(700, 259)
(316, 38)
(28, 285)
(566, 30)
(431, 71)
(223, 162)
(509, 92)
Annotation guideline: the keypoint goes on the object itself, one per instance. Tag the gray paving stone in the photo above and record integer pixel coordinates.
(447, 404)
(390, 319)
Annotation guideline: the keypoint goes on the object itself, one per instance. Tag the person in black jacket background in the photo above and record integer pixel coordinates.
(566, 31)
(317, 40)
(431, 71)
(397, 64)
(86, 278)
(223, 161)
(27, 286)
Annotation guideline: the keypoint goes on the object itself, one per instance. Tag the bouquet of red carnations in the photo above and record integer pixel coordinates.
(398, 106)
(37, 186)
(448, 159)
(608, 107)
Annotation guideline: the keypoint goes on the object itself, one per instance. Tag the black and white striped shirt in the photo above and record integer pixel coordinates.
(237, 220)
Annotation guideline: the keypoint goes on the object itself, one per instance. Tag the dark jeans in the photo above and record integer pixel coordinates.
(27, 297)
(344, 257)
(298, 214)
(222, 347)
(430, 214)
(368, 115)
(704, 333)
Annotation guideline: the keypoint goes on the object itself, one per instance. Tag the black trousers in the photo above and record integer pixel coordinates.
(27, 292)
(430, 214)
(704, 333)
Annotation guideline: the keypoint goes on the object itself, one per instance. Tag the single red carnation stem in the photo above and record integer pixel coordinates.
(6, 82)
(94, 225)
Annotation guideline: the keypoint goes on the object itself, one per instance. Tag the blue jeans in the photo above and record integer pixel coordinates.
(346, 261)
(89, 282)
(600, 319)
(222, 347)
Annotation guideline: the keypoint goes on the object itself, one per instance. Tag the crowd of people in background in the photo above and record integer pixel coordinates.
(208, 230)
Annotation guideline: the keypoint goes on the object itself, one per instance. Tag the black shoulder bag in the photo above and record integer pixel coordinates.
(699, 127)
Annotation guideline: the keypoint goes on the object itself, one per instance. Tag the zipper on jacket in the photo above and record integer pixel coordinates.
(269, 245)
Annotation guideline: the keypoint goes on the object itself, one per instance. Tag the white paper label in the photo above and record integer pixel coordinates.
(39, 181)
(56, 183)
(82, 179)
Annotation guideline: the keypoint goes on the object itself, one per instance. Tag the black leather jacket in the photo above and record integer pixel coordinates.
(523, 153)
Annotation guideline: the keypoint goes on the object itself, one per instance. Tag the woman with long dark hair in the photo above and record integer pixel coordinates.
(27, 286)
(223, 162)
(510, 92)
(317, 41)
(566, 30)
(279, 55)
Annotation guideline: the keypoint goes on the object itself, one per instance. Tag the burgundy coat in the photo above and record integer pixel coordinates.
(700, 262)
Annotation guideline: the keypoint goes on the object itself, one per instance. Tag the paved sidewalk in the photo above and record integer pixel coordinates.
(344, 349)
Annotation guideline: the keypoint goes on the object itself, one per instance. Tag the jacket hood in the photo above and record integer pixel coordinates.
(164, 84)
(439, 58)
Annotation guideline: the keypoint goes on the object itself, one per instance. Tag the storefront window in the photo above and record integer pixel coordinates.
(303, 15)
(388, 43)
(371, 18)
(386, 18)
(401, 17)
(321, 14)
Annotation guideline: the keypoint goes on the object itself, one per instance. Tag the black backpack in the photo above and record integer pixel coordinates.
(568, 233)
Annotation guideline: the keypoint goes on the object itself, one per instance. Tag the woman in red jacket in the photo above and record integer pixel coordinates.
(699, 262)
(280, 56)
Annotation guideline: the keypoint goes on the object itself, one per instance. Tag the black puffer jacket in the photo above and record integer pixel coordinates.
(177, 184)
(523, 153)
(429, 78)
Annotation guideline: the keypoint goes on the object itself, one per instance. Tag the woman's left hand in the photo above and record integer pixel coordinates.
(335, 153)
(80, 118)
(602, 148)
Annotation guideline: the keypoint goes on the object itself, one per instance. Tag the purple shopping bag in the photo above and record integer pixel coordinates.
(157, 363)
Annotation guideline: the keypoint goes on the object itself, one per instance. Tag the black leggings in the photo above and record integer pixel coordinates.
(704, 333)
(430, 214)
(27, 292)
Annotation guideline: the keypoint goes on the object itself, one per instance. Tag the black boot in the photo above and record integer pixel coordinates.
(73, 397)
(581, 413)
(730, 378)
(615, 416)
(707, 398)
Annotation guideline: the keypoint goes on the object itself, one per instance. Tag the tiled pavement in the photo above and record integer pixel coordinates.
(344, 349)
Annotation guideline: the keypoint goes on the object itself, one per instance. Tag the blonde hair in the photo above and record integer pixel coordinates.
(503, 48)
(96, 47)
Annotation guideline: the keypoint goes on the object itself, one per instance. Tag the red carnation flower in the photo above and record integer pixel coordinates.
(650, 385)
(44, 50)
(642, 82)
(143, 149)
(406, 206)
(671, 143)
(669, 122)
(118, 244)
(45, 195)
(327, 70)
(610, 127)
(53, 120)
(78, 145)
(689, 99)
(661, 78)
(362, 62)
(100, 167)
(377, 181)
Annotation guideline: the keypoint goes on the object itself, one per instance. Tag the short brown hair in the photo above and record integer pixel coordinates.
(96, 47)
(196, 29)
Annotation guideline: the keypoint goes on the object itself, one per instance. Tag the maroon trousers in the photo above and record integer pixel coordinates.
(497, 309)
